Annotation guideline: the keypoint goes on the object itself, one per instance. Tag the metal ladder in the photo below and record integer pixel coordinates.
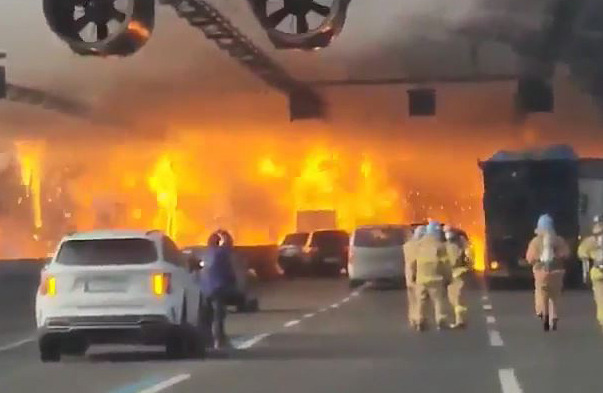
(216, 27)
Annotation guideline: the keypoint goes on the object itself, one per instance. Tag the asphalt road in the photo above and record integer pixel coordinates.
(318, 336)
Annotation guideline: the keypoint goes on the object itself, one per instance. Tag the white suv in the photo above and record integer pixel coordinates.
(111, 287)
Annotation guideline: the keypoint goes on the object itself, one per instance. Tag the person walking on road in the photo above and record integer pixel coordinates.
(459, 265)
(590, 253)
(217, 280)
(430, 274)
(410, 250)
(547, 253)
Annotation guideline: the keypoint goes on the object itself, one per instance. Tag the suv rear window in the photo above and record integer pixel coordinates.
(296, 239)
(379, 237)
(330, 239)
(107, 252)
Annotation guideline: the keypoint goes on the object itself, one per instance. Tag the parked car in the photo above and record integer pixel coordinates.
(376, 254)
(318, 252)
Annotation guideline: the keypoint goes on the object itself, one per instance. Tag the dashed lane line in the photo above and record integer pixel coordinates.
(508, 381)
(309, 315)
(490, 320)
(168, 383)
(291, 323)
(252, 341)
(495, 338)
(487, 307)
(335, 305)
(17, 344)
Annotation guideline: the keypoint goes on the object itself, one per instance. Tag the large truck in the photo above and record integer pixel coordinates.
(316, 220)
(518, 188)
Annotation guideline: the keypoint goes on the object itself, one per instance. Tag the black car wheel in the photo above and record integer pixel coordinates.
(50, 350)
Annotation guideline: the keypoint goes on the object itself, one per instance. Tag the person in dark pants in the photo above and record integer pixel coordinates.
(217, 280)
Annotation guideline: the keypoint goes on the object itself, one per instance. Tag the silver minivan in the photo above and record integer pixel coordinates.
(376, 254)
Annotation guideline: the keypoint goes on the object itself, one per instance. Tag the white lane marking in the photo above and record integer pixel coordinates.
(166, 384)
(495, 338)
(292, 323)
(508, 381)
(490, 319)
(485, 298)
(324, 309)
(355, 294)
(487, 307)
(346, 299)
(251, 342)
(336, 305)
(309, 315)
(16, 344)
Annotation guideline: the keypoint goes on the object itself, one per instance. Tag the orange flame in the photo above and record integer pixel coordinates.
(163, 182)
(30, 160)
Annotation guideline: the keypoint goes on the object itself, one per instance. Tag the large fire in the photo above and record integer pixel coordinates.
(250, 185)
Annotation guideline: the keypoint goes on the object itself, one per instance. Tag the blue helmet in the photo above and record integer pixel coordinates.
(433, 228)
(545, 224)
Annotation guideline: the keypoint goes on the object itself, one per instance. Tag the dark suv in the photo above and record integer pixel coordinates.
(319, 252)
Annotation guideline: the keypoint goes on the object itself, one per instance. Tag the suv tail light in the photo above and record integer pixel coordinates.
(161, 283)
(48, 285)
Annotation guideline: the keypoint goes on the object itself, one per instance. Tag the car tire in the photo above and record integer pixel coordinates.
(355, 283)
(290, 273)
(74, 347)
(176, 344)
(248, 305)
(50, 350)
(178, 338)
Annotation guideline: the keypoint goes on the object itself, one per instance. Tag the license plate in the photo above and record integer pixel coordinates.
(104, 285)
(332, 260)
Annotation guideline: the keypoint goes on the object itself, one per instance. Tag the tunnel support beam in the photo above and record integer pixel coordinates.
(208, 20)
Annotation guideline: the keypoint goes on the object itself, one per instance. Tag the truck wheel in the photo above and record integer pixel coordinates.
(50, 350)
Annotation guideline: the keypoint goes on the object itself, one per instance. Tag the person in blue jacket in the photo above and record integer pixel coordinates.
(217, 281)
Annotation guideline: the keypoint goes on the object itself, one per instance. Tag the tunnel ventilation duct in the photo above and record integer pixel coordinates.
(101, 27)
(421, 102)
(304, 101)
(534, 95)
(301, 24)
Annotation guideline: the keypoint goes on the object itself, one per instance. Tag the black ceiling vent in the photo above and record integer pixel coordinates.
(534, 95)
(303, 105)
(421, 102)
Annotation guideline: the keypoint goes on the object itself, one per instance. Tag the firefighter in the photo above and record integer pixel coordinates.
(430, 275)
(547, 253)
(590, 252)
(410, 256)
(459, 264)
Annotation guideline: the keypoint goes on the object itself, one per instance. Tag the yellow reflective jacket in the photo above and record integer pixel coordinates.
(432, 261)
(590, 250)
(457, 259)
(410, 250)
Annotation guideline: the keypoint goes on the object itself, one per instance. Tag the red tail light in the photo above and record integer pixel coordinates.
(161, 284)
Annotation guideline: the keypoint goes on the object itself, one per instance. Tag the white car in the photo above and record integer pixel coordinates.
(114, 287)
(376, 254)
